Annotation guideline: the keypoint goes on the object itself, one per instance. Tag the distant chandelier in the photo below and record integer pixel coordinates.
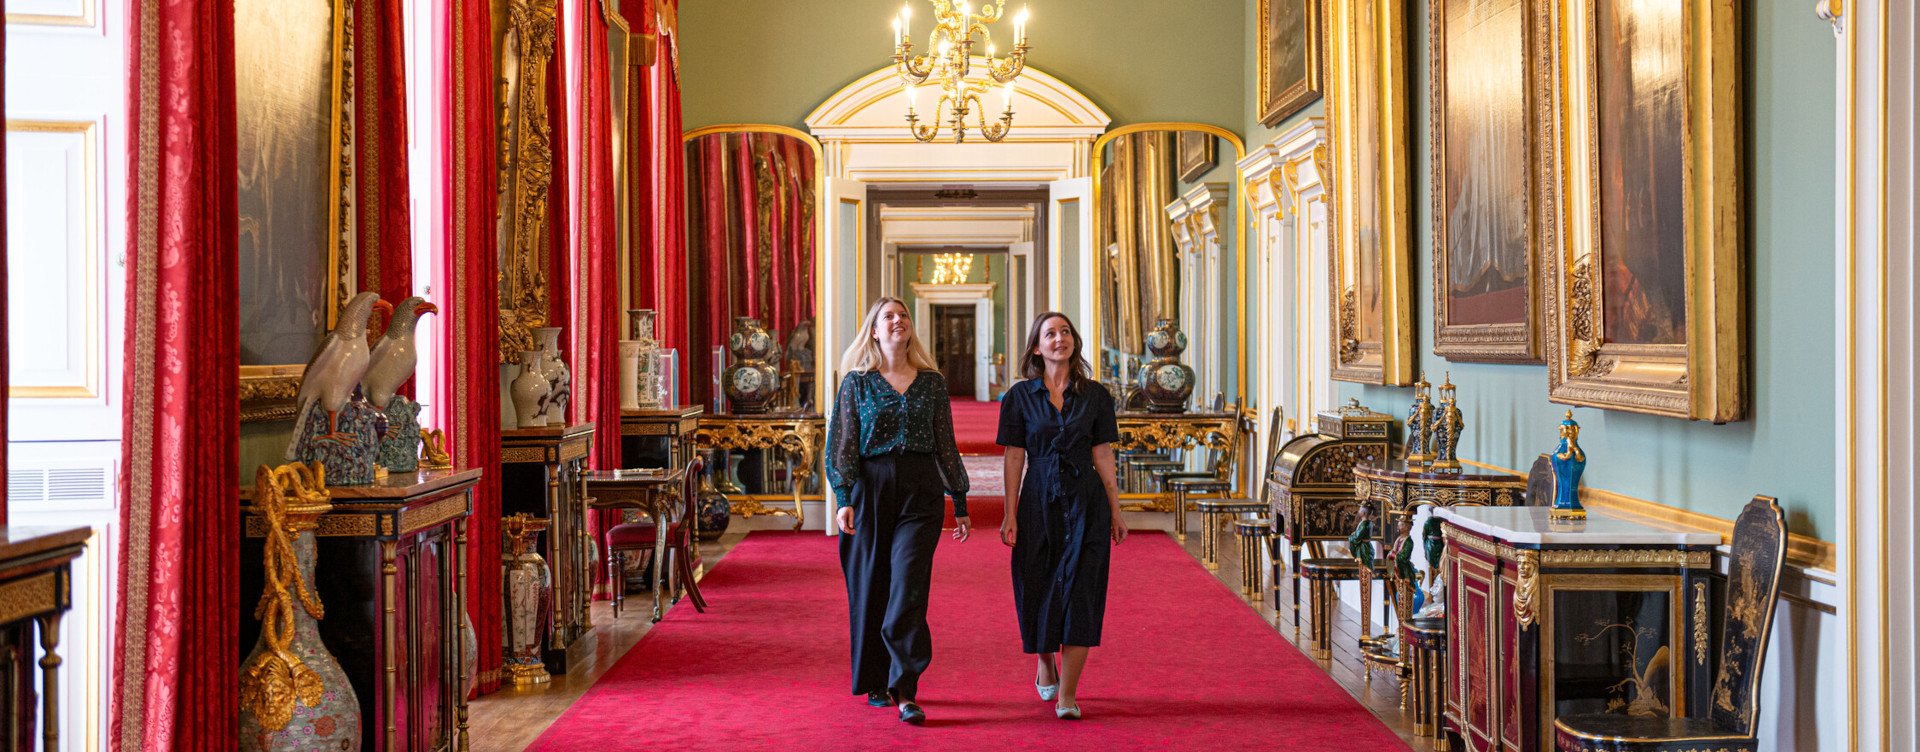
(952, 41)
(952, 268)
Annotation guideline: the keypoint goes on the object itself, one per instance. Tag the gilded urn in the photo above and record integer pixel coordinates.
(753, 380)
(1166, 381)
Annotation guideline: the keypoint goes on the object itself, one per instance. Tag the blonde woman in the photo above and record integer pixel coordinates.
(890, 455)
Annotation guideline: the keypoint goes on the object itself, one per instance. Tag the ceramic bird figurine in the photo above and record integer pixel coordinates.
(395, 355)
(335, 371)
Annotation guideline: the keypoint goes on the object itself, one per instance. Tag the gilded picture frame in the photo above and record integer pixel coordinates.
(526, 173)
(1645, 296)
(266, 389)
(1485, 140)
(1195, 154)
(1369, 291)
(1290, 57)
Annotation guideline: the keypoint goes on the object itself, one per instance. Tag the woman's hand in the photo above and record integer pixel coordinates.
(1009, 531)
(1119, 532)
(845, 517)
(962, 528)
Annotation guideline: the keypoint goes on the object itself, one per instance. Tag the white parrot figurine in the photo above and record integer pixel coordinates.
(394, 356)
(335, 370)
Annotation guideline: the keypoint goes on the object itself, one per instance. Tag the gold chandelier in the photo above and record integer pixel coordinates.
(951, 44)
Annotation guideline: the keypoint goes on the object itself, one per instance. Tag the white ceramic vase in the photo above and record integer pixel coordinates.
(529, 392)
(629, 374)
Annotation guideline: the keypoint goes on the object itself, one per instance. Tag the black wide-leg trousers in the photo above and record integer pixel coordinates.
(898, 505)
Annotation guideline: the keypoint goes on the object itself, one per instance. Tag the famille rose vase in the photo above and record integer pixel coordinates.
(753, 380)
(559, 379)
(529, 591)
(293, 694)
(1168, 383)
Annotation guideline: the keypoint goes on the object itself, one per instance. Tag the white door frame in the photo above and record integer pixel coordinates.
(980, 296)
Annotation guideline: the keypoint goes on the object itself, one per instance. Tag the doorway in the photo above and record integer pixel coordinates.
(953, 347)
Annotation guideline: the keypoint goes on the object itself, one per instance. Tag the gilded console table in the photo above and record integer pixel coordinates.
(541, 474)
(1549, 618)
(1169, 431)
(674, 424)
(36, 589)
(802, 435)
(393, 563)
(1310, 483)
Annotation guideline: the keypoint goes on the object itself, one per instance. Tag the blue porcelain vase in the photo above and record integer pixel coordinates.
(712, 507)
(1568, 461)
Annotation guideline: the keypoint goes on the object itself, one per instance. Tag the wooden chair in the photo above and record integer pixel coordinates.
(639, 537)
(1753, 588)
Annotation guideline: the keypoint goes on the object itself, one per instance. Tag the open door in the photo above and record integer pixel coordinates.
(841, 285)
(1071, 254)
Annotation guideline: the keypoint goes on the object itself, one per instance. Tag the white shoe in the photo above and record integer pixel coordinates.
(1067, 713)
(1047, 691)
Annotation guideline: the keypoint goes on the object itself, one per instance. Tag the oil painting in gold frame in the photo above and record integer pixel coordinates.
(1486, 210)
(289, 100)
(1290, 67)
(1645, 296)
(1369, 287)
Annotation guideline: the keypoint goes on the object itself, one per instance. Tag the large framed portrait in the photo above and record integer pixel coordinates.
(1487, 214)
(1194, 155)
(1370, 291)
(1291, 73)
(288, 98)
(1645, 297)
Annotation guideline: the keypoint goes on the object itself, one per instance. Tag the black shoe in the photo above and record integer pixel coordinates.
(911, 713)
(879, 699)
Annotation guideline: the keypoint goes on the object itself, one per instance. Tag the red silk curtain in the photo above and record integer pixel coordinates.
(175, 669)
(560, 110)
(472, 333)
(753, 228)
(671, 278)
(384, 249)
(600, 251)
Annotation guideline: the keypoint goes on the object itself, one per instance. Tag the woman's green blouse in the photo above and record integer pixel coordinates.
(872, 419)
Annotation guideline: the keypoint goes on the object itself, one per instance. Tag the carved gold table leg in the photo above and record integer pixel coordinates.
(389, 599)
(460, 611)
(1180, 518)
(660, 523)
(50, 679)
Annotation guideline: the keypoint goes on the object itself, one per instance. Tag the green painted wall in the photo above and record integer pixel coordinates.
(1786, 448)
(754, 61)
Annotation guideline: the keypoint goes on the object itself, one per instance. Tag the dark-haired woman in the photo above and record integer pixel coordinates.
(890, 457)
(1063, 505)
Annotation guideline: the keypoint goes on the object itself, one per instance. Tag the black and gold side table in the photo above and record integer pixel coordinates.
(36, 589)
(673, 425)
(1424, 645)
(1253, 533)
(541, 474)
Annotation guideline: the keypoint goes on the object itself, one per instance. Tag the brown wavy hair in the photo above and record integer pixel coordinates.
(1033, 366)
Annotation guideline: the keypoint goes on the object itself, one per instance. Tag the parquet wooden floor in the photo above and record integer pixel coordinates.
(509, 720)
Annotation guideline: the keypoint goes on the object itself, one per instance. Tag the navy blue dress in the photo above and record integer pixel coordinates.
(1061, 552)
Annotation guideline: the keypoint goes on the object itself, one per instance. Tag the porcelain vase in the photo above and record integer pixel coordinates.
(333, 723)
(1168, 383)
(629, 374)
(529, 391)
(528, 595)
(647, 376)
(712, 506)
(559, 378)
(752, 381)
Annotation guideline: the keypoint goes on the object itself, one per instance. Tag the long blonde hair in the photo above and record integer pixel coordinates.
(864, 353)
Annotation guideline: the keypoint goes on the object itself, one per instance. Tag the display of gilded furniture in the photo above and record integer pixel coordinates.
(673, 425)
(1547, 619)
(662, 495)
(801, 435)
(1424, 642)
(36, 573)
(1755, 557)
(1182, 433)
(1253, 533)
(1310, 484)
(1394, 492)
(395, 591)
(540, 475)
(1215, 490)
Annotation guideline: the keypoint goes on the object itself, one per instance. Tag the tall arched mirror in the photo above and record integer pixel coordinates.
(1169, 251)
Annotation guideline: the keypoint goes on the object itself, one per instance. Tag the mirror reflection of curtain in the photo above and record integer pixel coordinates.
(750, 220)
(1146, 285)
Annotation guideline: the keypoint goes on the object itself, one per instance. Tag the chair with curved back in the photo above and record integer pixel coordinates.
(638, 537)
(1753, 588)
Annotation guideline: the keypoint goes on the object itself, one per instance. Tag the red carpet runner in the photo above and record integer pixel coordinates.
(975, 424)
(1186, 665)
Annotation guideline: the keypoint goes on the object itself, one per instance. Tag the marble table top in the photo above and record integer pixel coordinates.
(1531, 526)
